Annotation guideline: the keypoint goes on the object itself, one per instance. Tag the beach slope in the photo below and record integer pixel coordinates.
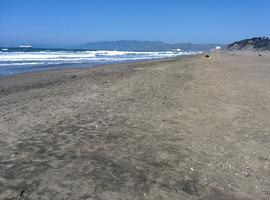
(182, 128)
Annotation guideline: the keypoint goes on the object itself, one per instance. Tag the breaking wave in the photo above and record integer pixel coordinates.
(21, 61)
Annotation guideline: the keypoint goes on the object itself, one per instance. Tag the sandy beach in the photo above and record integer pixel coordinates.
(180, 128)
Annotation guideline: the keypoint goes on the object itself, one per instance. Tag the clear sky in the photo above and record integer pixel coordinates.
(68, 22)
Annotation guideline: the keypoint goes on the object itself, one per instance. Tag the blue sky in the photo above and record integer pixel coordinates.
(68, 22)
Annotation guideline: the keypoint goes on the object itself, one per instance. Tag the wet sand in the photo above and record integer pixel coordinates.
(182, 128)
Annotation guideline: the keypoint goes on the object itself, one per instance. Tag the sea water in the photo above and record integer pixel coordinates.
(18, 60)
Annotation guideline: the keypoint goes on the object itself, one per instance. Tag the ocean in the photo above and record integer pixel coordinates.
(18, 60)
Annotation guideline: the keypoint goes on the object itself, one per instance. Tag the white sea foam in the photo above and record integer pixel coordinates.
(50, 57)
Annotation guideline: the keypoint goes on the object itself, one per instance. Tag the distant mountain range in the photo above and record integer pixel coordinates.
(256, 43)
(134, 45)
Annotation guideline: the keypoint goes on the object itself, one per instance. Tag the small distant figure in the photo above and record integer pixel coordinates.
(260, 54)
(207, 56)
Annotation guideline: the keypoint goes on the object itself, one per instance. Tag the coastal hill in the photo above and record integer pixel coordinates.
(256, 43)
(135, 45)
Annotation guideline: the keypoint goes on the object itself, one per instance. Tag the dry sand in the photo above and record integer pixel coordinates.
(184, 128)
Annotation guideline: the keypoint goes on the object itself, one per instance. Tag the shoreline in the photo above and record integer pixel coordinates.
(180, 128)
(36, 76)
(21, 62)
(86, 66)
